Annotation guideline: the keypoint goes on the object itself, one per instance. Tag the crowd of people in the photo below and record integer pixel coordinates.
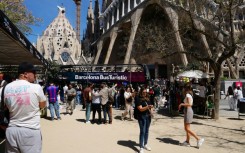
(24, 99)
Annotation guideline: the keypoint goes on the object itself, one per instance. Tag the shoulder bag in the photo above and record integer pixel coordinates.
(4, 116)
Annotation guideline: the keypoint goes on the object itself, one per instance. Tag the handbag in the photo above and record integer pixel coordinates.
(150, 111)
(4, 116)
(130, 99)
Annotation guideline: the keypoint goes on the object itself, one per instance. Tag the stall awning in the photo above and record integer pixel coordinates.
(15, 47)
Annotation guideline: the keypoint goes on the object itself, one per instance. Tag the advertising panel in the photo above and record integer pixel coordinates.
(103, 76)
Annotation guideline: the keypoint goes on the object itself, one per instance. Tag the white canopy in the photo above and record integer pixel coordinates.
(193, 74)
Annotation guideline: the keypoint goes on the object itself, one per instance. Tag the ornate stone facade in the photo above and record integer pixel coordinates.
(120, 21)
(59, 42)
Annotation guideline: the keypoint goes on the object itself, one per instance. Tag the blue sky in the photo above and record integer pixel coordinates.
(47, 10)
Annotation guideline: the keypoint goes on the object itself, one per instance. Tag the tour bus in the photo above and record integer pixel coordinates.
(119, 73)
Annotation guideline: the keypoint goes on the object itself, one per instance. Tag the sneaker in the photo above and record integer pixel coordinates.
(141, 150)
(200, 142)
(59, 118)
(185, 144)
(88, 122)
(147, 148)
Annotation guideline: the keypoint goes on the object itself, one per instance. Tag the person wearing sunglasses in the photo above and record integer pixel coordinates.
(144, 106)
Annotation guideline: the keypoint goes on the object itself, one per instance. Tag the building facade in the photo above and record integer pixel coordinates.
(122, 20)
(59, 42)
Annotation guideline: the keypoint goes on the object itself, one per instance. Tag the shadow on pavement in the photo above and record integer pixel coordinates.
(218, 127)
(128, 143)
(117, 117)
(81, 120)
(239, 119)
(169, 141)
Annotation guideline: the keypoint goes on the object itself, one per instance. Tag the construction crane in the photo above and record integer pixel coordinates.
(78, 10)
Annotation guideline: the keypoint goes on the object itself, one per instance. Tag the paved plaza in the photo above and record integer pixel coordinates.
(72, 135)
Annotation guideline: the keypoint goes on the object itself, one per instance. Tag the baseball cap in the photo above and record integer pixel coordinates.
(26, 67)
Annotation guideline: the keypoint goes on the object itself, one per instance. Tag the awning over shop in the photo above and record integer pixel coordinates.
(15, 47)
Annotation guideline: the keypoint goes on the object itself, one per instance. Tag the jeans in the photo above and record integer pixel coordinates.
(78, 97)
(54, 107)
(88, 110)
(105, 109)
(116, 102)
(144, 124)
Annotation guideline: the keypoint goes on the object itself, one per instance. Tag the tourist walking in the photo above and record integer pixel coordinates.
(128, 104)
(111, 94)
(157, 95)
(70, 94)
(52, 93)
(144, 106)
(79, 94)
(188, 117)
(230, 95)
(239, 96)
(24, 109)
(87, 98)
(104, 92)
(121, 98)
(65, 88)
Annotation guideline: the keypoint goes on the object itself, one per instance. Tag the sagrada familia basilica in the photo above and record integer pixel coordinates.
(112, 31)
(59, 42)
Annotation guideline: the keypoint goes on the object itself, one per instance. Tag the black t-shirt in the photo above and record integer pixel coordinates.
(139, 102)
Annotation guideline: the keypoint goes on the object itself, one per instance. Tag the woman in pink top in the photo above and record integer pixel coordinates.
(188, 117)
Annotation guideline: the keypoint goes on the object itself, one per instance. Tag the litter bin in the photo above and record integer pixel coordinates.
(241, 107)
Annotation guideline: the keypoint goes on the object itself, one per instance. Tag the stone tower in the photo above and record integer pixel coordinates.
(59, 42)
(96, 20)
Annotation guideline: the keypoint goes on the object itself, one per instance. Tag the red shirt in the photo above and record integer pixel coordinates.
(87, 95)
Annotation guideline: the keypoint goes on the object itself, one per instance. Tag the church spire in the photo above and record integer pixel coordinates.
(90, 22)
(90, 11)
(96, 20)
(104, 6)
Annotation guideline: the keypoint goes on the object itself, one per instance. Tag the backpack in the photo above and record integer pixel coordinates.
(136, 110)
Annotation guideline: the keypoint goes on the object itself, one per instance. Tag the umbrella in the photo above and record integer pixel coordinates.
(193, 74)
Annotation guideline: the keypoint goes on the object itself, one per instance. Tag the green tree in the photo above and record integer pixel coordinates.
(19, 15)
(51, 73)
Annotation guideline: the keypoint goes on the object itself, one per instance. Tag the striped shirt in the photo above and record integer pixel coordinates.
(52, 93)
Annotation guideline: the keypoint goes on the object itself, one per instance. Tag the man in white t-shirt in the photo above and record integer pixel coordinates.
(24, 100)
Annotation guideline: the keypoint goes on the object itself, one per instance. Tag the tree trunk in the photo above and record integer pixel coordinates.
(232, 70)
(217, 94)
